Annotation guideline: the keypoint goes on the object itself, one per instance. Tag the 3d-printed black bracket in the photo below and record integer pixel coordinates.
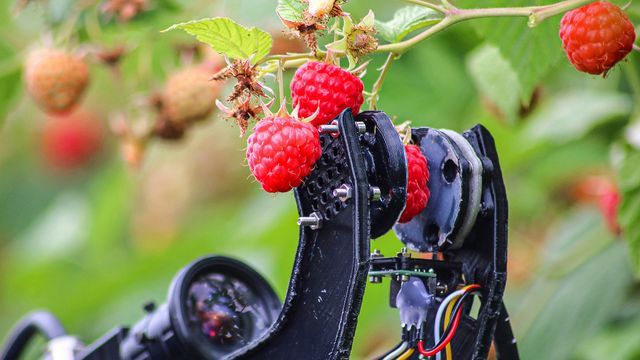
(320, 312)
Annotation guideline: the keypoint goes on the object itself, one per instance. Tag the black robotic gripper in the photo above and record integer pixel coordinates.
(219, 308)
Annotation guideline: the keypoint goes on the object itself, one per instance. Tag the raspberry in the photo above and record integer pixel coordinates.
(596, 36)
(72, 141)
(328, 87)
(189, 95)
(55, 79)
(608, 204)
(417, 190)
(282, 151)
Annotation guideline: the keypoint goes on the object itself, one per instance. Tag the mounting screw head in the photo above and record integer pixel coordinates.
(344, 192)
(313, 221)
(362, 128)
(375, 279)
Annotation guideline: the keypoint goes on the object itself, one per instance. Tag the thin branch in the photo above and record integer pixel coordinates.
(402, 46)
(636, 47)
(373, 100)
(428, 4)
(536, 15)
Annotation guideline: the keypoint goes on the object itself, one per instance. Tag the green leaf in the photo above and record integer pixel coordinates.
(629, 210)
(495, 78)
(532, 52)
(406, 20)
(292, 10)
(571, 115)
(564, 312)
(229, 38)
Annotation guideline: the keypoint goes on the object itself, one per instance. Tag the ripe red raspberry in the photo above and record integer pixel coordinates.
(608, 204)
(55, 79)
(282, 151)
(596, 36)
(417, 190)
(72, 141)
(327, 87)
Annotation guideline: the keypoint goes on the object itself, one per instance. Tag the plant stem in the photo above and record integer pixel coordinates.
(287, 57)
(636, 47)
(427, 4)
(373, 100)
(281, 81)
(536, 15)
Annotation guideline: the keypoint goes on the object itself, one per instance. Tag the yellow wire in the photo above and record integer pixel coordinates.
(447, 317)
(406, 354)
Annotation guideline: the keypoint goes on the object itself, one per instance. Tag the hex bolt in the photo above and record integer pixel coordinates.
(344, 192)
(376, 253)
(362, 128)
(313, 221)
(374, 193)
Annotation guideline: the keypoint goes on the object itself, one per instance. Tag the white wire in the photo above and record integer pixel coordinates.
(397, 352)
(443, 306)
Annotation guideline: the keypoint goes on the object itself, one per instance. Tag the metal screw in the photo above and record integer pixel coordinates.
(343, 192)
(404, 253)
(404, 278)
(441, 288)
(332, 129)
(313, 221)
(376, 253)
(375, 279)
(374, 193)
(362, 128)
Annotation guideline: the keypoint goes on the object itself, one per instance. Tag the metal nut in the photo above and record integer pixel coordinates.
(344, 192)
(313, 221)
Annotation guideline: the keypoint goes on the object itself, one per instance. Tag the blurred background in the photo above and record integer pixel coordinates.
(93, 239)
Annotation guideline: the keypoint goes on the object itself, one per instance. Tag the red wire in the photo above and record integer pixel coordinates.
(446, 341)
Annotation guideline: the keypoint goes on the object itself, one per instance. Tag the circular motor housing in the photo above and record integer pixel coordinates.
(455, 185)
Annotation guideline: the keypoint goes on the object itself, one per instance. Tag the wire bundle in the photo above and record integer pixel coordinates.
(452, 304)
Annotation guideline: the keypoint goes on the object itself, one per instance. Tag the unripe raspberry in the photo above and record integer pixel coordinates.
(596, 36)
(55, 79)
(189, 95)
(326, 87)
(418, 178)
(282, 151)
(319, 8)
(72, 141)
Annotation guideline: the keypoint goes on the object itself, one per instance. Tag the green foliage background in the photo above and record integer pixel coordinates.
(93, 246)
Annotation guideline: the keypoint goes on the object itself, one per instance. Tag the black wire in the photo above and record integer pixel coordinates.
(41, 322)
